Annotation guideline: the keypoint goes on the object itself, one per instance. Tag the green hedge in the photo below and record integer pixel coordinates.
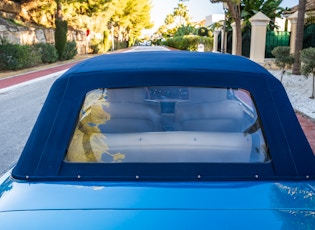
(190, 42)
(14, 57)
(47, 52)
(70, 51)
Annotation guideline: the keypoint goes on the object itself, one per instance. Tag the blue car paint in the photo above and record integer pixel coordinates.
(180, 205)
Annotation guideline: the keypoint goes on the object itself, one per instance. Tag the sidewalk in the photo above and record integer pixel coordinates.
(308, 127)
(8, 79)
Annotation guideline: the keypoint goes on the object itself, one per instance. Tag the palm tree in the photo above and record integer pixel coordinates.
(271, 8)
(299, 37)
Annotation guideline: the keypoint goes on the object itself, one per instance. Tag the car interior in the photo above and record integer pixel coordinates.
(168, 124)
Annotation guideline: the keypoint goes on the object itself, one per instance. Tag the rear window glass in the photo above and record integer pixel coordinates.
(168, 124)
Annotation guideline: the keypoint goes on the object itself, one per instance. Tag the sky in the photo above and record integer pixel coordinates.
(198, 9)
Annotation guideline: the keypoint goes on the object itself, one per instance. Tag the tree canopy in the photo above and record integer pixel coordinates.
(128, 17)
(177, 19)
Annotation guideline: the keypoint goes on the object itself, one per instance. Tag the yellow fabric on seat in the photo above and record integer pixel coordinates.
(91, 117)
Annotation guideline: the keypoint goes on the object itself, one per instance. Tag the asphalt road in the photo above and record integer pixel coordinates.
(19, 108)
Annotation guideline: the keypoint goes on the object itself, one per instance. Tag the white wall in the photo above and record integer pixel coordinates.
(213, 18)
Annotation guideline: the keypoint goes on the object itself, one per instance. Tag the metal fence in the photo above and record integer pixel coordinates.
(309, 33)
(274, 39)
(246, 39)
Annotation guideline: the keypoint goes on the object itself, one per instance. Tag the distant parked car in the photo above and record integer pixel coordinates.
(145, 43)
(163, 140)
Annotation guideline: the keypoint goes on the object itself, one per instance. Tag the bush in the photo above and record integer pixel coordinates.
(189, 42)
(14, 56)
(284, 59)
(184, 30)
(203, 31)
(308, 65)
(70, 51)
(96, 46)
(48, 52)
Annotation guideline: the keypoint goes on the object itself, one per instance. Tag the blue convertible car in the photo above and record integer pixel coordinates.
(163, 140)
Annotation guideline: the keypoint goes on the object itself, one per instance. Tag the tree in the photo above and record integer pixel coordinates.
(283, 58)
(234, 7)
(299, 37)
(128, 17)
(83, 14)
(179, 18)
(308, 67)
(185, 30)
(181, 14)
(271, 8)
(61, 30)
(59, 10)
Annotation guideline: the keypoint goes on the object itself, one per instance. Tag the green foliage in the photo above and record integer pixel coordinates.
(189, 42)
(271, 8)
(308, 61)
(181, 12)
(106, 41)
(48, 52)
(177, 23)
(203, 31)
(61, 36)
(14, 56)
(129, 17)
(95, 46)
(185, 30)
(100, 45)
(308, 65)
(70, 51)
(4, 41)
(284, 59)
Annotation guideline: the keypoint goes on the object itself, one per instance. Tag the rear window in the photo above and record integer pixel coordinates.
(168, 124)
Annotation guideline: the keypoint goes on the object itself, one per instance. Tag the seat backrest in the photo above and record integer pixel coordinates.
(208, 110)
(130, 112)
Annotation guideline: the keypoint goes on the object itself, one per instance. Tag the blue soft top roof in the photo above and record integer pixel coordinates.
(43, 155)
(167, 61)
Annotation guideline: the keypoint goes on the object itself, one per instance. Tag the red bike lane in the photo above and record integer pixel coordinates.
(14, 80)
(307, 124)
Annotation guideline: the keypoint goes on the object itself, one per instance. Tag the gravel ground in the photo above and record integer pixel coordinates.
(299, 90)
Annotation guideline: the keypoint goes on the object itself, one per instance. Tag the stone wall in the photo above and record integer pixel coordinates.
(31, 35)
(18, 34)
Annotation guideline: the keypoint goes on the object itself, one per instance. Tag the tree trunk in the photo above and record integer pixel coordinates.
(59, 10)
(313, 88)
(236, 15)
(299, 37)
